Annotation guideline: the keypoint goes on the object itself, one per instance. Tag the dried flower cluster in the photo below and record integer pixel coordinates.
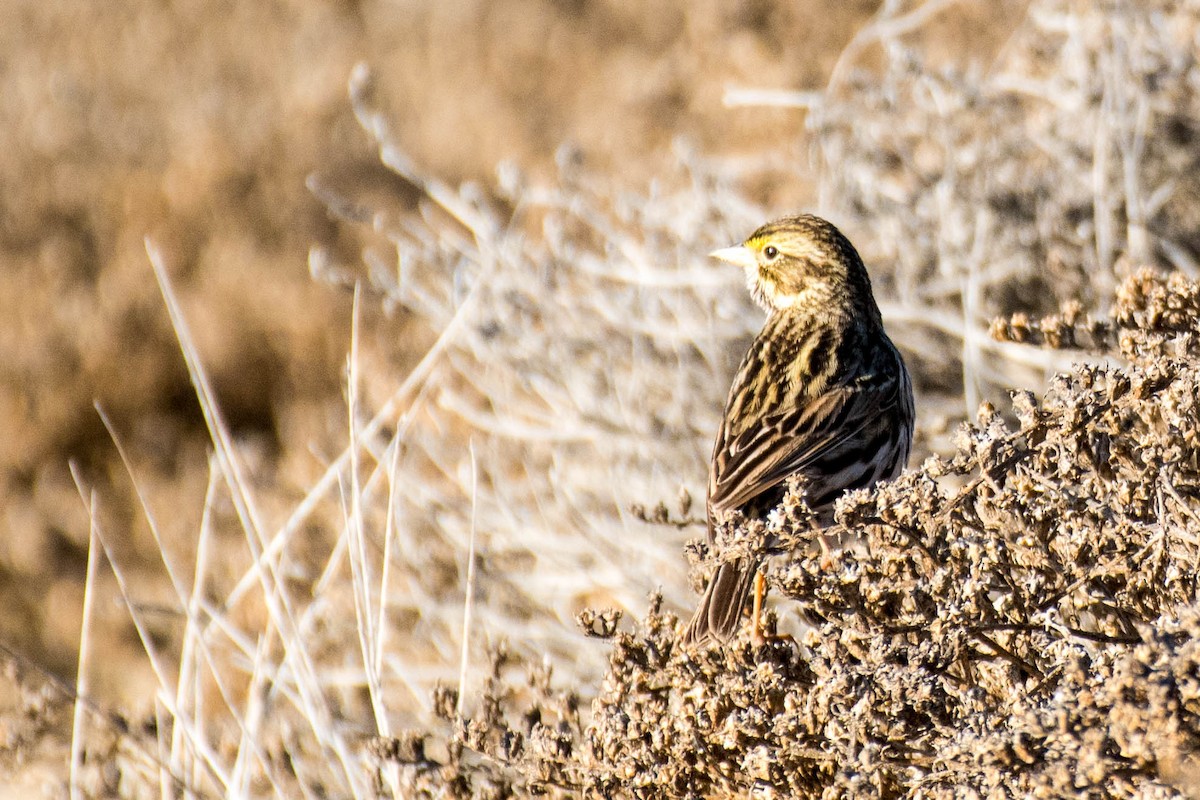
(1152, 316)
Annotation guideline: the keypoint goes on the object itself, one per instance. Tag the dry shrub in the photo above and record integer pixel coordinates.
(1015, 617)
(1018, 617)
(1020, 184)
(1031, 631)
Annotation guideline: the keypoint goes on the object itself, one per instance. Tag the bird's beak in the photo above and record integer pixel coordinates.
(740, 256)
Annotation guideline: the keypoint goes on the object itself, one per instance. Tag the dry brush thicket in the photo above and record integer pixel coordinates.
(1015, 617)
(1018, 617)
(1032, 632)
(1024, 183)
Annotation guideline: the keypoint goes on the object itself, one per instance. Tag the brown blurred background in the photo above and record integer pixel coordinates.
(196, 123)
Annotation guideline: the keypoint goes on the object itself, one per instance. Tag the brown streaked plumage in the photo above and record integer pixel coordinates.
(822, 393)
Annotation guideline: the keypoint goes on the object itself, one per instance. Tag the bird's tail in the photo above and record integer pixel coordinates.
(721, 605)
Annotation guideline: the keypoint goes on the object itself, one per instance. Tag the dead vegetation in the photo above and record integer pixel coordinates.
(1031, 632)
(1016, 618)
(1013, 617)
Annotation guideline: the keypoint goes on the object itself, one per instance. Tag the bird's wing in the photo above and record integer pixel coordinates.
(793, 437)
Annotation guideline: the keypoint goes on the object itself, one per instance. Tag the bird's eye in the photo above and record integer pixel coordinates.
(771, 251)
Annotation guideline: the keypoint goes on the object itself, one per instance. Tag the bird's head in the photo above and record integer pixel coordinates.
(801, 262)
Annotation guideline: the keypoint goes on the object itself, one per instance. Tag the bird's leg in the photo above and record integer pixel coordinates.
(826, 553)
(760, 589)
(759, 637)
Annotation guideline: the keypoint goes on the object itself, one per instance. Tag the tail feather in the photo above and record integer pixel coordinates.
(721, 605)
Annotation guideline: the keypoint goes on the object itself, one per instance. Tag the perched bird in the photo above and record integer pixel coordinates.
(822, 394)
